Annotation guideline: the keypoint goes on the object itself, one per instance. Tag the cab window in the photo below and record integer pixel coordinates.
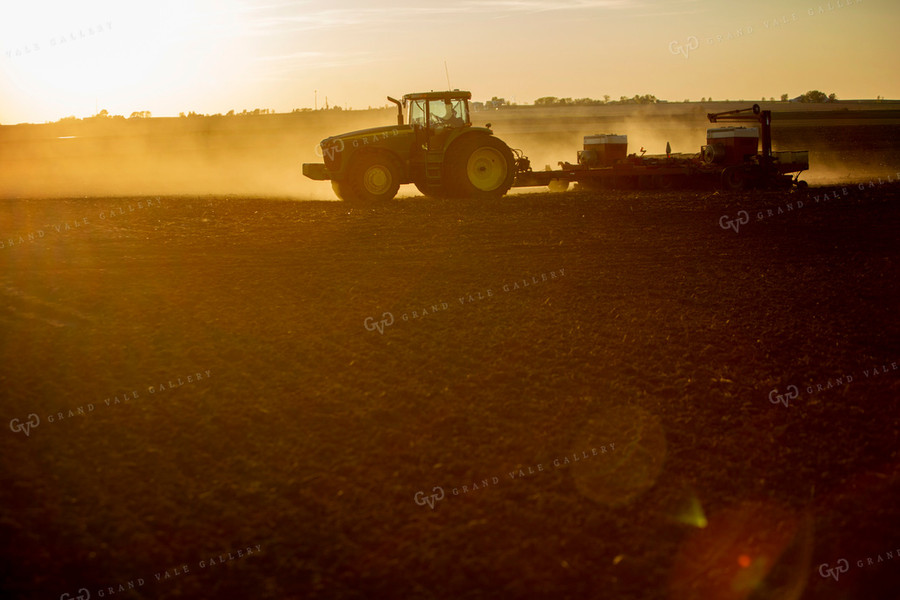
(417, 113)
(447, 113)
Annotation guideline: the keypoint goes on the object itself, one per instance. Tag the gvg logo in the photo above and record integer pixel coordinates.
(387, 319)
(83, 594)
(743, 217)
(676, 48)
(17, 426)
(792, 393)
(826, 571)
(421, 499)
(333, 148)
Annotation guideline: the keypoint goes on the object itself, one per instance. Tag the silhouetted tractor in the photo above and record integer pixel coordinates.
(436, 148)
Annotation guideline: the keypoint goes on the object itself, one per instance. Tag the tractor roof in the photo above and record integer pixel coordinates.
(448, 95)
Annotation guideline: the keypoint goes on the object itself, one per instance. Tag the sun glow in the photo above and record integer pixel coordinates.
(101, 55)
(60, 58)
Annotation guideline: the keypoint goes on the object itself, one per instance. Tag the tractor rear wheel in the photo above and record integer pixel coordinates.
(372, 178)
(479, 166)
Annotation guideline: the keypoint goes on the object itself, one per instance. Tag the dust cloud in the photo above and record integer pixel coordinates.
(237, 155)
(548, 139)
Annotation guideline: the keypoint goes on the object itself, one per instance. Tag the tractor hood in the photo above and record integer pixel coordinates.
(368, 136)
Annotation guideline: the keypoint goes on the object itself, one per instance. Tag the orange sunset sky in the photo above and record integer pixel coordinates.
(72, 58)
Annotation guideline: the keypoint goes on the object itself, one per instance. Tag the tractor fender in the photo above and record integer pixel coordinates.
(469, 131)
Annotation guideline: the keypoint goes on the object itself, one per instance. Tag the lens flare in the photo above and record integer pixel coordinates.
(691, 512)
(753, 550)
(632, 467)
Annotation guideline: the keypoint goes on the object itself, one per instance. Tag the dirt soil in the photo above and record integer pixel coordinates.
(645, 396)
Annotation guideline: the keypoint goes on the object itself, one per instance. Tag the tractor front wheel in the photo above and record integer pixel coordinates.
(372, 179)
(479, 166)
(342, 191)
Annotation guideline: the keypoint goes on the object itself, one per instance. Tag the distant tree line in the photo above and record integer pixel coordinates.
(810, 97)
(636, 99)
(146, 114)
(814, 96)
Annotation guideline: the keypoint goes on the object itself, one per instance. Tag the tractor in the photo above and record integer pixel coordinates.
(436, 148)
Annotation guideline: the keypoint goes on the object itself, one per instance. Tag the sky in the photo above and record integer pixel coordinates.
(62, 58)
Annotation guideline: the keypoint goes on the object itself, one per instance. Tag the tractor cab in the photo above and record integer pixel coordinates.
(435, 117)
(438, 110)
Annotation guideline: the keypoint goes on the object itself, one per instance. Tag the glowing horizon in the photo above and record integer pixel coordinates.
(58, 60)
